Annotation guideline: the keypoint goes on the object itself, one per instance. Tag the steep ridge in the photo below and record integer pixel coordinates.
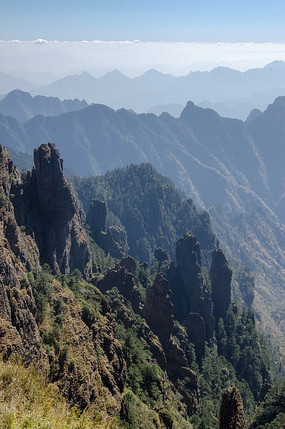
(256, 240)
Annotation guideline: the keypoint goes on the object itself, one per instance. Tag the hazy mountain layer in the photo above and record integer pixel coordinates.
(233, 93)
(22, 106)
(9, 83)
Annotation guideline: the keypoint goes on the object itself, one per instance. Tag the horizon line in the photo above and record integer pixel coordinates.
(99, 41)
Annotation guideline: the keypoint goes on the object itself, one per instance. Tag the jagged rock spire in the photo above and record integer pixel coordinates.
(221, 276)
(50, 210)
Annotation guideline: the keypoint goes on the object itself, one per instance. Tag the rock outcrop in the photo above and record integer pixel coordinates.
(113, 241)
(231, 411)
(50, 211)
(196, 330)
(122, 276)
(221, 276)
(158, 312)
(129, 263)
(193, 305)
(96, 216)
(158, 309)
(188, 259)
(89, 366)
(161, 255)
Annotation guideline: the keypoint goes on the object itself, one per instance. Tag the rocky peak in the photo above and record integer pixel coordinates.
(51, 212)
(254, 114)
(158, 308)
(188, 257)
(17, 242)
(57, 202)
(129, 263)
(158, 312)
(8, 170)
(193, 305)
(113, 241)
(161, 255)
(221, 276)
(96, 216)
(231, 411)
(122, 276)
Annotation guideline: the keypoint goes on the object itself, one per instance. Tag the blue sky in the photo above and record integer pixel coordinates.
(196, 21)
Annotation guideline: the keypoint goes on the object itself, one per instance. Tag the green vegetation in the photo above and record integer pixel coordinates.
(28, 402)
(239, 341)
(148, 206)
(143, 373)
(271, 413)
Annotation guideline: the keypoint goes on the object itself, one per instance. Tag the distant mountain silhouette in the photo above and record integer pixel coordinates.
(232, 93)
(22, 106)
(8, 83)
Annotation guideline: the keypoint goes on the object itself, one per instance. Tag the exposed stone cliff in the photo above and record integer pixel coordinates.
(123, 277)
(221, 276)
(188, 258)
(158, 309)
(51, 212)
(113, 240)
(193, 305)
(89, 366)
(158, 312)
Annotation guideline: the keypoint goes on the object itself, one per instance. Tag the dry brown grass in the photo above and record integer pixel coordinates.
(27, 402)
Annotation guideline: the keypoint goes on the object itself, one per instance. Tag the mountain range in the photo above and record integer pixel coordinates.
(234, 169)
(22, 106)
(233, 93)
(230, 92)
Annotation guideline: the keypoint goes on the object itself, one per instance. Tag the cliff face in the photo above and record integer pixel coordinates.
(113, 241)
(123, 277)
(221, 276)
(188, 257)
(158, 309)
(51, 212)
(193, 304)
(18, 252)
(158, 312)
